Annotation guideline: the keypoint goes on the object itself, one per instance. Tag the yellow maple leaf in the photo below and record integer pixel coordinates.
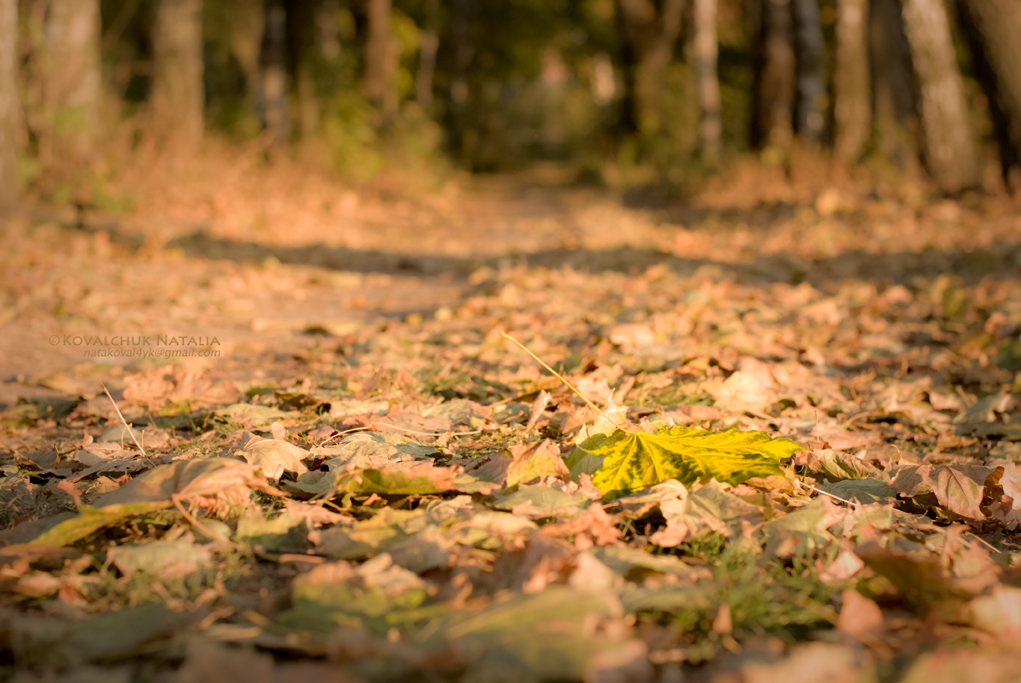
(624, 461)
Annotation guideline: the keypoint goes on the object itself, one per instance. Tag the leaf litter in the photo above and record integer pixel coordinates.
(803, 457)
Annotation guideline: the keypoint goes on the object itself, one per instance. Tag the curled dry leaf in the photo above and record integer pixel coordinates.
(274, 457)
(752, 388)
(190, 479)
(958, 489)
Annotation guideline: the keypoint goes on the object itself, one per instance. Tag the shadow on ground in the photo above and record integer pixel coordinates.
(1000, 262)
(1003, 262)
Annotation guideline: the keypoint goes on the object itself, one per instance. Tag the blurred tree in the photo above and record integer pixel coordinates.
(491, 65)
(774, 60)
(273, 75)
(892, 88)
(427, 54)
(9, 105)
(304, 18)
(177, 95)
(233, 73)
(948, 148)
(456, 53)
(810, 95)
(648, 33)
(851, 116)
(381, 61)
(71, 84)
(993, 28)
(707, 82)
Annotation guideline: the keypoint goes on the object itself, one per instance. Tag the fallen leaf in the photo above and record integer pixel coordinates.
(189, 479)
(626, 461)
(998, 613)
(274, 457)
(750, 389)
(90, 519)
(708, 508)
(166, 560)
(534, 461)
(958, 489)
(406, 478)
(859, 616)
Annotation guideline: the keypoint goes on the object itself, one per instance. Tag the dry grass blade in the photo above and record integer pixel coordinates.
(566, 383)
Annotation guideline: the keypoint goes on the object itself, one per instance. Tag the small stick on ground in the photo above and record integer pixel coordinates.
(131, 431)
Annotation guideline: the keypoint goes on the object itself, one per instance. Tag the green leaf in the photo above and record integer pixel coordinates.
(250, 415)
(286, 531)
(401, 479)
(631, 461)
(547, 636)
(165, 560)
(634, 563)
(536, 502)
(92, 519)
(133, 630)
(376, 596)
(862, 490)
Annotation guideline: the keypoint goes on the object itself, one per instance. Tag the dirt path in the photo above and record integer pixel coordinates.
(81, 304)
(269, 270)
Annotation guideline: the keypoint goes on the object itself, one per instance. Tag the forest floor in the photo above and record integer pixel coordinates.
(341, 470)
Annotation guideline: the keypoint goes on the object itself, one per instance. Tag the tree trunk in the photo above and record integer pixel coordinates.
(851, 81)
(72, 84)
(630, 107)
(949, 150)
(810, 94)
(9, 104)
(274, 75)
(993, 27)
(708, 83)
(243, 37)
(381, 61)
(894, 113)
(177, 93)
(462, 54)
(648, 32)
(304, 52)
(773, 95)
(652, 77)
(427, 55)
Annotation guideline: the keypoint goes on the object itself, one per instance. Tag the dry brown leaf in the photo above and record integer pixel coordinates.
(859, 616)
(750, 389)
(274, 457)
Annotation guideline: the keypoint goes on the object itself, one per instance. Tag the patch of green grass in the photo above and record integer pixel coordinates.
(176, 418)
(28, 413)
(763, 598)
(258, 390)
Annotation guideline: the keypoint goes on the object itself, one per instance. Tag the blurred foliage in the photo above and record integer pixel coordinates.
(512, 83)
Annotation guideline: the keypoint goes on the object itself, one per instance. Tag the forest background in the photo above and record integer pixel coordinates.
(625, 91)
(259, 419)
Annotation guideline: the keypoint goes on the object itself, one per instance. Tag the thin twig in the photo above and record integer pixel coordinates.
(570, 386)
(131, 431)
(343, 433)
(984, 542)
(199, 526)
(827, 493)
(418, 433)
